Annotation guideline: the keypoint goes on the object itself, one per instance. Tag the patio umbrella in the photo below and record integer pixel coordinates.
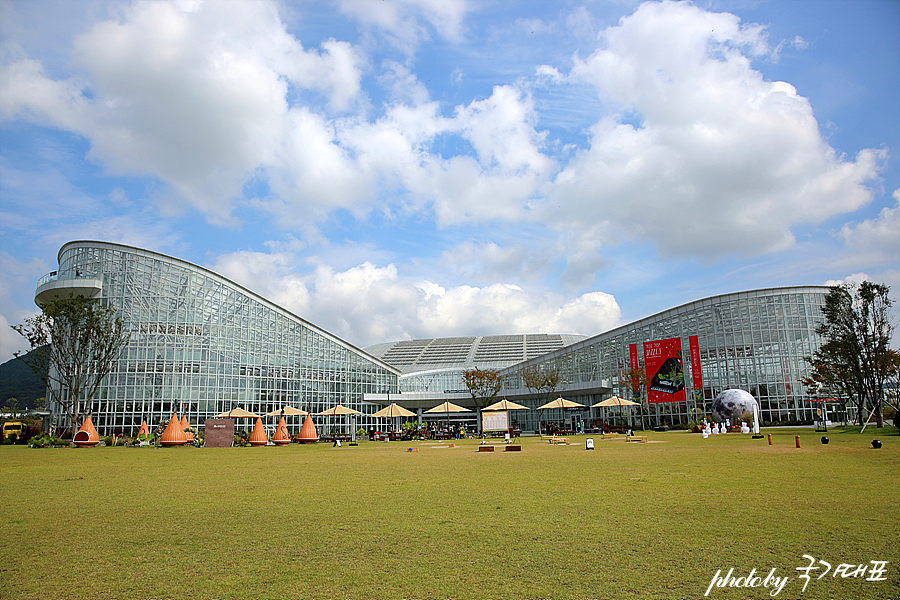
(338, 410)
(561, 403)
(447, 407)
(394, 411)
(505, 405)
(614, 401)
(237, 413)
(286, 411)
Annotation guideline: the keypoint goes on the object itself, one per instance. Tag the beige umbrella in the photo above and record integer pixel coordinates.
(237, 413)
(286, 411)
(393, 411)
(505, 405)
(615, 401)
(561, 403)
(339, 410)
(447, 408)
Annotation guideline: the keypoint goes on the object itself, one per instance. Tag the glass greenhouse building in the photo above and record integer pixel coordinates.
(201, 345)
(754, 341)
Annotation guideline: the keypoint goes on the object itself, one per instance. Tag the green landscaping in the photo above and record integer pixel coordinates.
(626, 520)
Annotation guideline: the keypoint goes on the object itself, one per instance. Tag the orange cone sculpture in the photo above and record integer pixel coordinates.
(173, 435)
(144, 430)
(185, 427)
(307, 433)
(258, 435)
(86, 435)
(281, 437)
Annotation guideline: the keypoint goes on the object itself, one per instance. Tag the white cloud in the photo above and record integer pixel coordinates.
(17, 279)
(878, 240)
(489, 261)
(366, 304)
(405, 21)
(705, 157)
(196, 98)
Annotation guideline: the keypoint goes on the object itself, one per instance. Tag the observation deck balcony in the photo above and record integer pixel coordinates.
(51, 287)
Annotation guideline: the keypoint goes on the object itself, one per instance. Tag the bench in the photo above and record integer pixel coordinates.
(485, 448)
(559, 440)
(512, 448)
(636, 438)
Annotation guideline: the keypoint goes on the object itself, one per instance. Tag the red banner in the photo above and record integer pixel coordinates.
(665, 370)
(632, 350)
(696, 370)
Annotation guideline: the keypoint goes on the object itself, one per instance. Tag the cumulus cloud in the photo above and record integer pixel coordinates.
(194, 95)
(366, 304)
(701, 155)
(877, 239)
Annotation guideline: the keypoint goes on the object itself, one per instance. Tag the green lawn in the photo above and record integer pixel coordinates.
(626, 520)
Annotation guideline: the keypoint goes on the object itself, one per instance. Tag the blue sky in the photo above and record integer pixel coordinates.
(420, 168)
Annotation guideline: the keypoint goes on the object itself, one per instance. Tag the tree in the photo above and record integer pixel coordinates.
(892, 360)
(854, 357)
(636, 378)
(79, 339)
(483, 385)
(542, 382)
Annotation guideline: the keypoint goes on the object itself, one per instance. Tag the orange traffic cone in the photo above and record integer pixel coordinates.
(173, 435)
(307, 433)
(281, 437)
(86, 435)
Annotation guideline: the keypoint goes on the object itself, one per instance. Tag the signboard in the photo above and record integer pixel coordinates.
(696, 370)
(218, 433)
(495, 420)
(665, 370)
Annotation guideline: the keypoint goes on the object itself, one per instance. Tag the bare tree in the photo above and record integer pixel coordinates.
(483, 385)
(541, 382)
(637, 385)
(74, 342)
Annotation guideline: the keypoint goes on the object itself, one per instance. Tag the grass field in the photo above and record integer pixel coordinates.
(626, 520)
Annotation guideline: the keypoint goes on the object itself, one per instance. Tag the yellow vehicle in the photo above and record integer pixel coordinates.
(13, 428)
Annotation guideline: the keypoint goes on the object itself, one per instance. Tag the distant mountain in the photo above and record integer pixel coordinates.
(18, 381)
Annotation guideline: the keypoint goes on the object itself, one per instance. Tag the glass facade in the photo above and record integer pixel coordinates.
(755, 341)
(201, 345)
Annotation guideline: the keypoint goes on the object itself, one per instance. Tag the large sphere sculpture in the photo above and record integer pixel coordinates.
(732, 404)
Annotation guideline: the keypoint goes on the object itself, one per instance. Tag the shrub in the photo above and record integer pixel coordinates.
(44, 440)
